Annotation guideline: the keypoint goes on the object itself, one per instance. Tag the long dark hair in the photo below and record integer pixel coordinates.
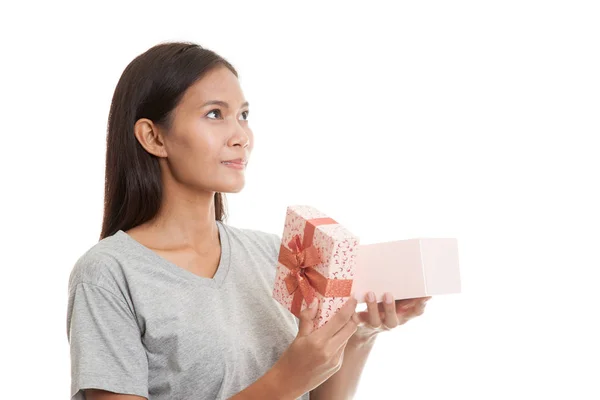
(150, 87)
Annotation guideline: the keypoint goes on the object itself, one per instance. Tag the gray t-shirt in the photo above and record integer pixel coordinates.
(139, 324)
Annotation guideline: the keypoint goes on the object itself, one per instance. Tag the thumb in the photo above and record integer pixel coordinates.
(307, 316)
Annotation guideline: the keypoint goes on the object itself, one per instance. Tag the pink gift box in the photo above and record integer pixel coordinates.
(327, 253)
(407, 268)
(320, 258)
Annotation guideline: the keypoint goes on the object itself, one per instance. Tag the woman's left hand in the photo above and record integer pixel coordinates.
(387, 315)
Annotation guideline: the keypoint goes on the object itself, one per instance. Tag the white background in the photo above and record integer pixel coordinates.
(470, 119)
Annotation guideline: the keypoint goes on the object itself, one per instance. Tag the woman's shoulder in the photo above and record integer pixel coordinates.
(256, 238)
(99, 265)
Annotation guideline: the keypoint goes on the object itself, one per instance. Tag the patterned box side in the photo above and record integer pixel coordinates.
(336, 247)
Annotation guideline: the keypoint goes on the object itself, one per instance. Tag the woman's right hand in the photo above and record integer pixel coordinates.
(315, 355)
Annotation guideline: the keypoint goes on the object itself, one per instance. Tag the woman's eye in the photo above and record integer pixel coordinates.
(246, 112)
(214, 111)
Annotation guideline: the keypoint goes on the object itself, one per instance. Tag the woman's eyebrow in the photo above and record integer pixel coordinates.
(221, 103)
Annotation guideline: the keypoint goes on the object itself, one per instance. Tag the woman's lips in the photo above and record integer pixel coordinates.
(234, 164)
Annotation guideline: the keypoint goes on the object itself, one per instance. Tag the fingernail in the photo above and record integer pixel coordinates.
(314, 303)
(388, 298)
(371, 296)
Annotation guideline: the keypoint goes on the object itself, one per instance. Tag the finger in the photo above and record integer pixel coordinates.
(402, 319)
(306, 325)
(420, 304)
(418, 310)
(342, 336)
(339, 320)
(391, 318)
(363, 316)
(339, 354)
(402, 306)
(373, 310)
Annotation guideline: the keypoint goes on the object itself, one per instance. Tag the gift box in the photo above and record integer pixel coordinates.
(317, 257)
(320, 258)
(407, 268)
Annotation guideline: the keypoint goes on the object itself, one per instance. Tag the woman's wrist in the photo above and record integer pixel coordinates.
(362, 340)
(275, 385)
(271, 385)
(267, 386)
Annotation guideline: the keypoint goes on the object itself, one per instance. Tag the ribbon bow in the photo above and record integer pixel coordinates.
(301, 262)
(301, 258)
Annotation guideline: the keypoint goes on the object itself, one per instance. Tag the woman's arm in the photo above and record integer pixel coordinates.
(95, 394)
(378, 318)
(267, 386)
(342, 385)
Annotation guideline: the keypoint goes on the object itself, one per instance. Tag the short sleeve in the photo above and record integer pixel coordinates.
(105, 343)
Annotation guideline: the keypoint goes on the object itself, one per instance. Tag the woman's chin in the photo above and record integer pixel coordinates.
(232, 188)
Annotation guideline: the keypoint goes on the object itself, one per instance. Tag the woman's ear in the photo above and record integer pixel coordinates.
(150, 137)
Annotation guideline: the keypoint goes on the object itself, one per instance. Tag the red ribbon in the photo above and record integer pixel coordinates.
(300, 259)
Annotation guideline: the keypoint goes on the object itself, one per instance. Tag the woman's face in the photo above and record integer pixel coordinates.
(209, 128)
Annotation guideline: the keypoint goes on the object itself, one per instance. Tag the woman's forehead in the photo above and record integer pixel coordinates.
(218, 85)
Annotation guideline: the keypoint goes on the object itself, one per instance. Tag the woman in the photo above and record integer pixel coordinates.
(172, 303)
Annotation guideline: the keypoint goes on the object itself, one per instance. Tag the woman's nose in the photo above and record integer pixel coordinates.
(240, 137)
